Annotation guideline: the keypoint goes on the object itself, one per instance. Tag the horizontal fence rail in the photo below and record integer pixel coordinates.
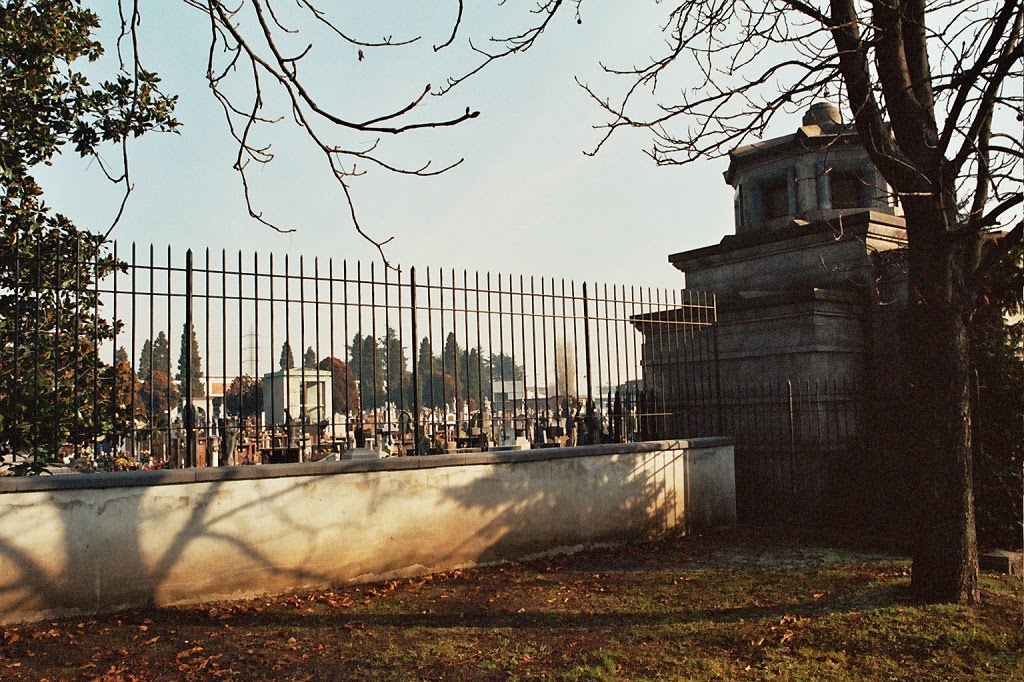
(136, 357)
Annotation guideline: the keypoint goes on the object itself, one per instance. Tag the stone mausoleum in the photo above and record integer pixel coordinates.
(811, 285)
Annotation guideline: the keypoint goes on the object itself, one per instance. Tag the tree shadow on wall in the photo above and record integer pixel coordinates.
(133, 561)
(532, 508)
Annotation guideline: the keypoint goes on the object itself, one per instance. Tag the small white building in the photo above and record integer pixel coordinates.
(512, 394)
(295, 393)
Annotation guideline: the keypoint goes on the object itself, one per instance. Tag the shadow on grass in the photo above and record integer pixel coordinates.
(472, 616)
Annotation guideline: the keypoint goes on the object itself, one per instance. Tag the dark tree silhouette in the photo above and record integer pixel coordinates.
(190, 347)
(287, 360)
(344, 388)
(159, 396)
(244, 397)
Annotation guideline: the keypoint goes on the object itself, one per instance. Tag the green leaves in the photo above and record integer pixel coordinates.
(54, 389)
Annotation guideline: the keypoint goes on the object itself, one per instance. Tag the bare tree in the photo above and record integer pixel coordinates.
(255, 54)
(927, 85)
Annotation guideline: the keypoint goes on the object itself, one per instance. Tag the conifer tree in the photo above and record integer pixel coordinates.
(287, 360)
(190, 345)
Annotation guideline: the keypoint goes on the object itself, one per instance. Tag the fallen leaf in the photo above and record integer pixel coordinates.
(188, 652)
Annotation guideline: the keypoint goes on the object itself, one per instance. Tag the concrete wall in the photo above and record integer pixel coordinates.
(97, 542)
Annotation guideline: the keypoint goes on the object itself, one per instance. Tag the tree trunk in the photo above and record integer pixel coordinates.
(945, 566)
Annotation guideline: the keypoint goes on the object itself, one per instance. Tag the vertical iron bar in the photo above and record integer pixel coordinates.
(402, 398)
(36, 297)
(501, 359)
(479, 355)
(199, 370)
(430, 346)
(134, 349)
(242, 431)
(566, 402)
(586, 343)
(15, 387)
(575, 341)
(490, 358)
(533, 344)
(224, 385)
(286, 380)
(114, 417)
(95, 254)
(57, 336)
(622, 386)
(792, 441)
(373, 352)
(416, 435)
(272, 426)
(455, 359)
(522, 335)
(334, 358)
(260, 411)
(303, 392)
(544, 348)
(386, 348)
(607, 358)
(321, 401)
(465, 327)
(190, 434)
(716, 366)
(152, 387)
(169, 333)
(359, 347)
(350, 410)
(641, 378)
(444, 359)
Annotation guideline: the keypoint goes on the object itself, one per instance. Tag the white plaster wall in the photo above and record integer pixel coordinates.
(82, 550)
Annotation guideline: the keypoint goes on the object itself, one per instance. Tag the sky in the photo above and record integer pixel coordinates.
(525, 200)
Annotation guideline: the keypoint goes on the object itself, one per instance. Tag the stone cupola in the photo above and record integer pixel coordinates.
(819, 172)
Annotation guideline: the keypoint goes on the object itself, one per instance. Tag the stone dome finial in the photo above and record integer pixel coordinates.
(824, 115)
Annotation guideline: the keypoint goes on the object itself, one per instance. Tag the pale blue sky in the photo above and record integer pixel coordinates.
(526, 199)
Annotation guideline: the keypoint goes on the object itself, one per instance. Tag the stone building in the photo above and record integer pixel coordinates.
(811, 284)
(802, 366)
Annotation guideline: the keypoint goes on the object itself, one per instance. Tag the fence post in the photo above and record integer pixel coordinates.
(190, 426)
(415, 365)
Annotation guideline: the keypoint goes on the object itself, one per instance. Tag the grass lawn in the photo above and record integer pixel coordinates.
(730, 607)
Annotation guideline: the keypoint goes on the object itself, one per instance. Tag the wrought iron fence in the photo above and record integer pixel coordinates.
(799, 448)
(159, 359)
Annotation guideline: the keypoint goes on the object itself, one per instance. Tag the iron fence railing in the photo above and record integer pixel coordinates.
(142, 357)
(798, 444)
